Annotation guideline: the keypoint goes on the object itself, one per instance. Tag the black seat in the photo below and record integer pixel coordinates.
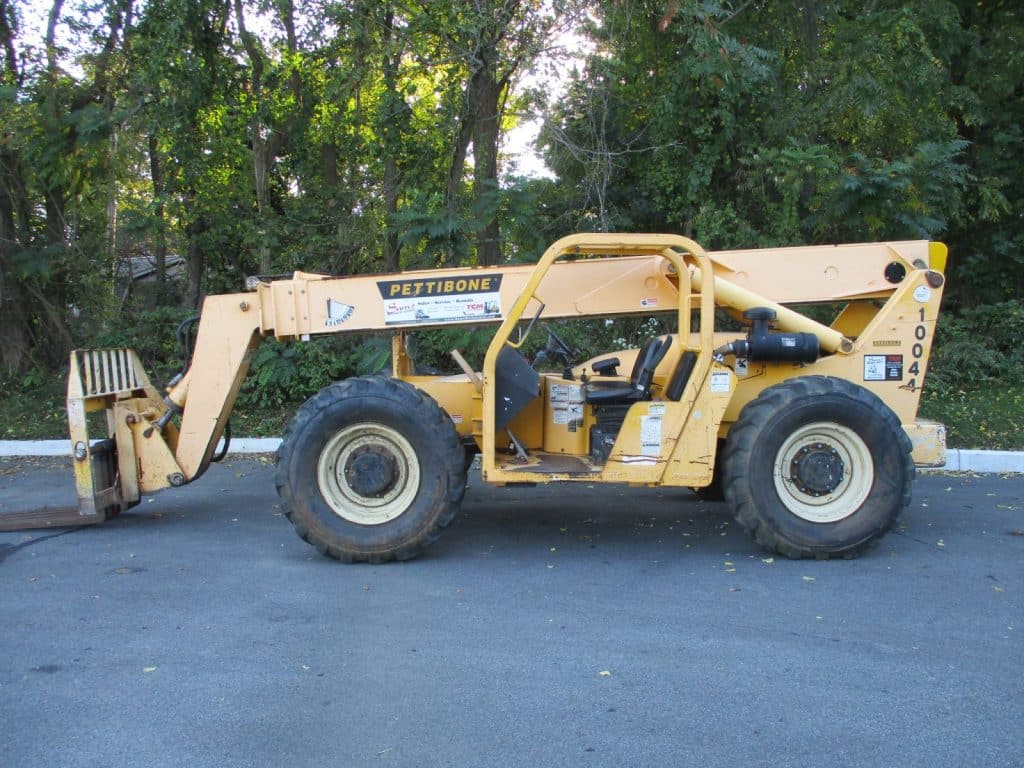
(639, 385)
(681, 376)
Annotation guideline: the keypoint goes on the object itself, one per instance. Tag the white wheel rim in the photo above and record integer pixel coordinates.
(850, 480)
(374, 508)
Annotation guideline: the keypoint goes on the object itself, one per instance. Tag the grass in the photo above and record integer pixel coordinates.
(990, 418)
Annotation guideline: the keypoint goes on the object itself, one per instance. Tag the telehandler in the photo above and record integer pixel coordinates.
(809, 429)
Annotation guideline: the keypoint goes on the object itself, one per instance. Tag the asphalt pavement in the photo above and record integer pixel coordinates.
(552, 626)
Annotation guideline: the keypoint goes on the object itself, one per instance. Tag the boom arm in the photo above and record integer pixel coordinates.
(615, 274)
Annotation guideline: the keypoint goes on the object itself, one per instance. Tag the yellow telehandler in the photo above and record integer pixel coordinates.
(809, 429)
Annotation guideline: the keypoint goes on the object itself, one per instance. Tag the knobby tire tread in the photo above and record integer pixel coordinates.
(743, 439)
(426, 409)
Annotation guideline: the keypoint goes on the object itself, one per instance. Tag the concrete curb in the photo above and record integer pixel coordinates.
(957, 459)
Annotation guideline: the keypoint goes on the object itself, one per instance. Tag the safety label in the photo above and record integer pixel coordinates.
(566, 404)
(883, 367)
(441, 300)
(720, 381)
(650, 435)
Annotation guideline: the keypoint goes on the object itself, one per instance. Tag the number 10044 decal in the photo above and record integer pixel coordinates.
(890, 367)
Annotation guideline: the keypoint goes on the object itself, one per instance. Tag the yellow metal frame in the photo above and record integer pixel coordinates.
(586, 275)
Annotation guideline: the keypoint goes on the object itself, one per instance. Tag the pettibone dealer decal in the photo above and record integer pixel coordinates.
(441, 300)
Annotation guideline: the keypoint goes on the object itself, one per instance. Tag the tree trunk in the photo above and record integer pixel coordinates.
(156, 175)
(195, 258)
(392, 177)
(486, 131)
(15, 337)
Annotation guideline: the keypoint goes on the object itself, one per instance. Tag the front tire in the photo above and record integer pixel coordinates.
(370, 470)
(817, 467)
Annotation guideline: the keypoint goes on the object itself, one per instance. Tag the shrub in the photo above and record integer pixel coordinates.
(978, 345)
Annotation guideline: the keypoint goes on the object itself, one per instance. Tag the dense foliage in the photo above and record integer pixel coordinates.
(204, 140)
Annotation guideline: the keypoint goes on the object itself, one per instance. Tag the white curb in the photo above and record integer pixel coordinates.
(968, 460)
(957, 459)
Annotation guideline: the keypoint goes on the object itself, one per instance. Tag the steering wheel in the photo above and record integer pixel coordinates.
(558, 347)
(555, 350)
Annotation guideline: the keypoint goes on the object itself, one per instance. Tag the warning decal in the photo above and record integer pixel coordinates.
(650, 435)
(883, 367)
(441, 300)
(720, 381)
(566, 405)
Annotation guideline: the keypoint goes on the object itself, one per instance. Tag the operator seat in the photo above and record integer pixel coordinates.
(599, 392)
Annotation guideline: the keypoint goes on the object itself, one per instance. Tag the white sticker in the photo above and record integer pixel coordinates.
(741, 366)
(874, 367)
(450, 299)
(650, 435)
(638, 461)
(720, 381)
(656, 409)
(567, 413)
(922, 293)
(566, 405)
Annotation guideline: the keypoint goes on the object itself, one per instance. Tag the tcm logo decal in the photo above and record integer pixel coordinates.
(337, 313)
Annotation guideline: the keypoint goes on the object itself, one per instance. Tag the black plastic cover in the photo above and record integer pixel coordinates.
(516, 384)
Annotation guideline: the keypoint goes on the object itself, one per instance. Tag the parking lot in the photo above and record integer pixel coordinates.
(549, 626)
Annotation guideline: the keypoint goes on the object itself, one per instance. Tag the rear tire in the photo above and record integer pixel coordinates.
(817, 467)
(370, 470)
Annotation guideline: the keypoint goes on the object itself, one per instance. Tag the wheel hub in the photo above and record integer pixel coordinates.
(816, 469)
(371, 471)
